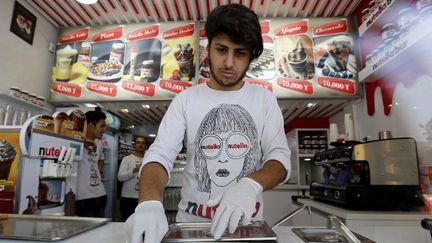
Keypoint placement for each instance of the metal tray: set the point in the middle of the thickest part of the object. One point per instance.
(200, 232)
(45, 228)
(320, 235)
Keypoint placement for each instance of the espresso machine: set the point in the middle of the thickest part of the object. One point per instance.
(373, 175)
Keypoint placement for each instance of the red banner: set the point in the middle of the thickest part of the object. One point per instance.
(301, 86)
(77, 36)
(341, 85)
(111, 34)
(174, 86)
(292, 29)
(66, 89)
(182, 31)
(263, 84)
(146, 89)
(339, 26)
(144, 33)
(102, 88)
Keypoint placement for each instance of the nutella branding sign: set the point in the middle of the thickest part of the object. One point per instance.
(144, 33)
(182, 31)
(77, 36)
(292, 29)
(339, 26)
(265, 27)
(111, 34)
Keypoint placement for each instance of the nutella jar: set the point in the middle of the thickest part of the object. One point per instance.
(388, 31)
(405, 17)
(32, 98)
(15, 92)
(388, 48)
(380, 53)
(369, 60)
(146, 70)
(117, 52)
(40, 101)
(25, 95)
(365, 15)
(84, 53)
(374, 58)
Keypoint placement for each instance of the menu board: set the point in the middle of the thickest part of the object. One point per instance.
(302, 58)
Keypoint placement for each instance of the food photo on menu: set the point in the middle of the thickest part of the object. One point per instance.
(70, 66)
(295, 57)
(334, 56)
(263, 68)
(106, 61)
(178, 59)
(142, 60)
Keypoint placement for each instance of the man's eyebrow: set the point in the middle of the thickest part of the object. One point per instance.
(237, 49)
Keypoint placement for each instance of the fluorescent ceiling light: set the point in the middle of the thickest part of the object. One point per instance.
(124, 110)
(146, 106)
(90, 105)
(152, 135)
(309, 105)
(87, 1)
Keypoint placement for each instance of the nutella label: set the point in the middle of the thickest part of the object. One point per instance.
(77, 36)
(144, 33)
(340, 85)
(174, 86)
(182, 31)
(139, 88)
(292, 29)
(301, 86)
(265, 27)
(102, 88)
(111, 34)
(262, 84)
(337, 27)
(66, 89)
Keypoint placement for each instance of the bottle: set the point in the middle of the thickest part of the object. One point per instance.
(117, 51)
(84, 54)
(69, 207)
(133, 57)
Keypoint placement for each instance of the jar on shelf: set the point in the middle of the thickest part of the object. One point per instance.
(372, 7)
(33, 98)
(307, 140)
(322, 140)
(405, 19)
(422, 4)
(301, 149)
(25, 95)
(388, 31)
(40, 101)
(308, 149)
(425, 13)
(365, 14)
(15, 92)
(314, 140)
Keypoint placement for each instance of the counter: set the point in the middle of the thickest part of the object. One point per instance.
(114, 232)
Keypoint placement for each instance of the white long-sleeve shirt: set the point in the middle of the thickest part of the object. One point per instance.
(126, 175)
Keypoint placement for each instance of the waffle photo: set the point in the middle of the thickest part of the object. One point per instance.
(23, 23)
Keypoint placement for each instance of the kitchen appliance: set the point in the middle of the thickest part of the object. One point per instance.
(374, 175)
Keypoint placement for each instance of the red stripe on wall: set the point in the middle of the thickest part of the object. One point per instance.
(102, 6)
(187, 9)
(156, 9)
(304, 5)
(250, 3)
(47, 13)
(324, 9)
(95, 10)
(75, 11)
(347, 7)
(123, 6)
(112, 5)
(66, 12)
(167, 10)
(145, 8)
(294, 3)
(208, 7)
(134, 7)
(314, 7)
(55, 11)
(335, 7)
(198, 11)
(85, 11)
(177, 9)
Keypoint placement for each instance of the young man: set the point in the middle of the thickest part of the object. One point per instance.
(91, 196)
(128, 174)
(233, 131)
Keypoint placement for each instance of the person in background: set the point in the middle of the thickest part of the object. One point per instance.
(91, 196)
(234, 136)
(128, 174)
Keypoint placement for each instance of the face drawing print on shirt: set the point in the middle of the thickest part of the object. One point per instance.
(226, 148)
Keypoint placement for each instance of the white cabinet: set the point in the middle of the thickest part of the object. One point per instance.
(304, 143)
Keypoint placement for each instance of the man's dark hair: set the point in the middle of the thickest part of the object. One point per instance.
(95, 116)
(240, 24)
(138, 136)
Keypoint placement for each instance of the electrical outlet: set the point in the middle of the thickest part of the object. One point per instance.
(51, 47)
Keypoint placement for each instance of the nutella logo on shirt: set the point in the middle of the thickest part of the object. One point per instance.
(209, 212)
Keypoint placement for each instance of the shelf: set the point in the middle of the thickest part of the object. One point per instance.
(417, 48)
(385, 17)
(23, 102)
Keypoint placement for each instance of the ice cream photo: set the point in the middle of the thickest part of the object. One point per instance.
(7, 156)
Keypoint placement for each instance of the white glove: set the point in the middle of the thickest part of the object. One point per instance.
(149, 219)
(235, 203)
